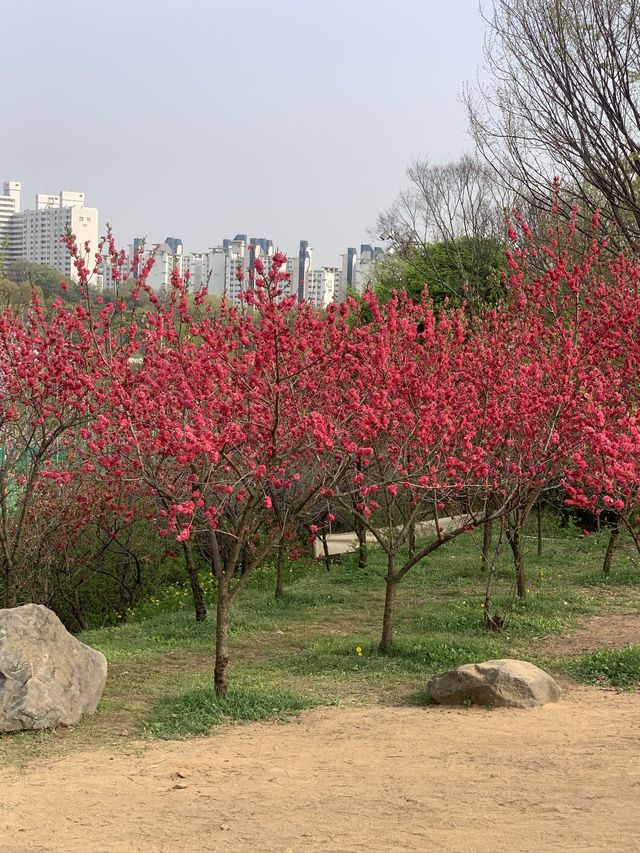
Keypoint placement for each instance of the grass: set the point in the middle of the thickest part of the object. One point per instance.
(196, 711)
(608, 667)
(301, 651)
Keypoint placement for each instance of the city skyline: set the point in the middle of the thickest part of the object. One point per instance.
(36, 234)
(298, 122)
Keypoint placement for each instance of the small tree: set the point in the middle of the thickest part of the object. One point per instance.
(412, 443)
(48, 395)
(222, 422)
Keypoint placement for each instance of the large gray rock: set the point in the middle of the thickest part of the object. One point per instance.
(495, 683)
(47, 677)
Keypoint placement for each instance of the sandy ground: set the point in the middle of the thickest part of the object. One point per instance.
(614, 631)
(563, 777)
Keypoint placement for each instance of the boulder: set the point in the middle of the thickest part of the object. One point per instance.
(495, 683)
(47, 677)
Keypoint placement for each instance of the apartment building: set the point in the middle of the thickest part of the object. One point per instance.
(10, 233)
(44, 228)
(322, 286)
(36, 235)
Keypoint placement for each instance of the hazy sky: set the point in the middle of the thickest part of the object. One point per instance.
(199, 119)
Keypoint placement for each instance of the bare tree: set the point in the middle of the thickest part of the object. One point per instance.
(564, 100)
(460, 208)
(445, 202)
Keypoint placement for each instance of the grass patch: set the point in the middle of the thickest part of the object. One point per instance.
(626, 573)
(301, 651)
(199, 710)
(159, 634)
(409, 656)
(608, 667)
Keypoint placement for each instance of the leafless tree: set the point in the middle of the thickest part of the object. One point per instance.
(445, 202)
(460, 206)
(563, 99)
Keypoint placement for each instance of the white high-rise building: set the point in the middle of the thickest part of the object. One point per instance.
(347, 274)
(357, 270)
(45, 201)
(214, 270)
(10, 233)
(36, 235)
(194, 267)
(222, 265)
(364, 267)
(44, 228)
(322, 286)
(167, 257)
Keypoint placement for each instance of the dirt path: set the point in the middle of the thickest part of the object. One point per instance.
(613, 631)
(564, 777)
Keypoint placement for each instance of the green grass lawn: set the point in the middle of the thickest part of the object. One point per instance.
(302, 651)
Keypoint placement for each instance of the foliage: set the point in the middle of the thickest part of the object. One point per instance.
(448, 276)
(609, 667)
(21, 277)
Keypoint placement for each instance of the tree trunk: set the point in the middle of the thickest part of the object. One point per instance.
(539, 524)
(412, 538)
(491, 622)
(386, 641)
(281, 557)
(326, 556)
(608, 557)
(361, 533)
(222, 637)
(515, 541)
(487, 541)
(245, 560)
(196, 589)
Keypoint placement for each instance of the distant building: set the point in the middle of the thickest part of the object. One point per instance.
(364, 266)
(322, 286)
(45, 201)
(36, 235)
(348, 274)
(10, 233)
(222, 265)
(299, 269)
(175, 244)
(216, 270)
(167, 257)
(44, 227)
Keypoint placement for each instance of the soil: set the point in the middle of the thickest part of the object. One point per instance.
(616, 631)
(564, 777)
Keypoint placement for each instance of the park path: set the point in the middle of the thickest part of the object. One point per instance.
(342, 543)
(564, 777)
